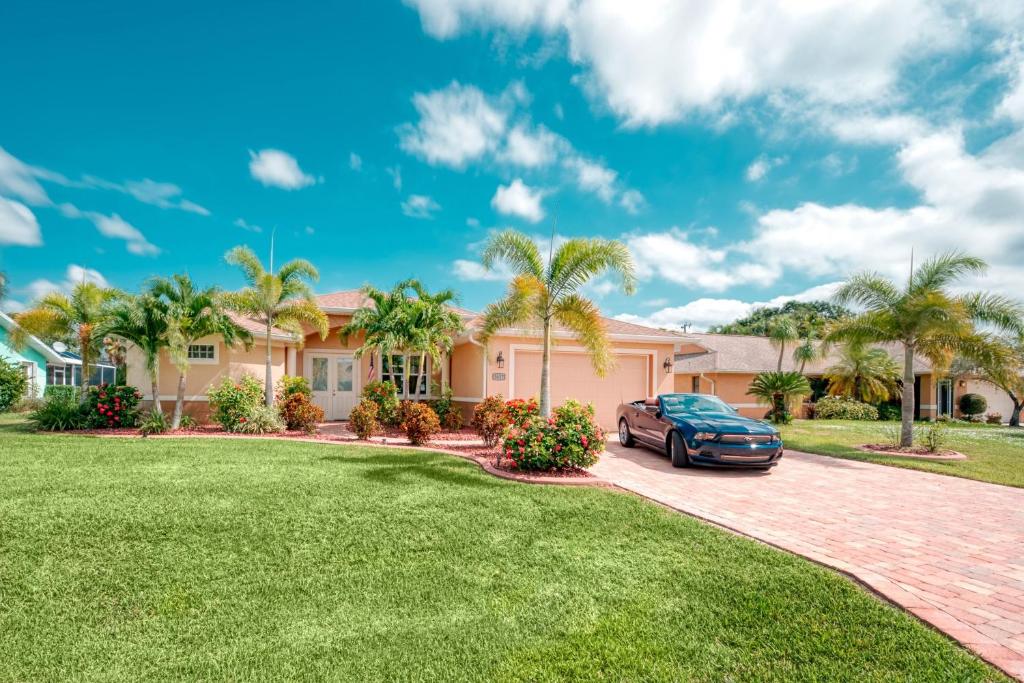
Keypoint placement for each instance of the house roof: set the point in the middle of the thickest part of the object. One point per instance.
(751, 354)
(8, 323)
(256, 328)
(72, 358)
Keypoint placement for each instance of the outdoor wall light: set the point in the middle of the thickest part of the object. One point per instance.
(501, 360)
(667, 364)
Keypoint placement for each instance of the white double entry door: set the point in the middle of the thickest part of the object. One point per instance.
(334, 381)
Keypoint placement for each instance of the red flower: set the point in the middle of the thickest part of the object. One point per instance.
(520, 442)
(558, 448)
(583, 440)
(241, 419)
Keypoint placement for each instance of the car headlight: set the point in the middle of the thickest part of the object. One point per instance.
(705, 436)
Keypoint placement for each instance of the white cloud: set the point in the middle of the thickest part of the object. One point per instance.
(593, 176)
(245, 225)
(674, 257)
(1012, 104)
(654, 61)
(531, 149)
(73, 275)
(702, 313)
(632, 201)
(18, 225)
(396, 176)
(18, 179)
(355, 162)
(420, 206)
(519, 199)
(760, 167)
(473, 222)
(475, 272)
(115, 227)
(458, 124)
(275, 168)
(861, 128)
(163, 195)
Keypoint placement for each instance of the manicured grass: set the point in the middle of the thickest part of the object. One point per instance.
(227, 559)
(995, 454)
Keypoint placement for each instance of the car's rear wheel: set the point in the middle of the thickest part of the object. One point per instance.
(677, 451)
(625, 436)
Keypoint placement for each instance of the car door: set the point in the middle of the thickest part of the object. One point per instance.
(647, 424)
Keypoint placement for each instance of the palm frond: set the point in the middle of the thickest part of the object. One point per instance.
(302, 312)
(244, 258)
(943, 270)
(517, 250)
(579, 261)
(1001, 312)
(869, 290)
(519, 305)
(584, 320)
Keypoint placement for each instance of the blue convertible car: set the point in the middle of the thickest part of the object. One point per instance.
(699, 429)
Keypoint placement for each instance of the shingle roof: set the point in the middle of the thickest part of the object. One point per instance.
(745, 353)
(256, 328)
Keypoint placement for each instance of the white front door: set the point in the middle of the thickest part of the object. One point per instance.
(333, 379)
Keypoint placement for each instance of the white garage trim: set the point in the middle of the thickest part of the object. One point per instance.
(650, 353)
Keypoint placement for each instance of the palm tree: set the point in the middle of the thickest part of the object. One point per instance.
(434, 324)
(781, 331)
(1007, 374)
(806, 351)
(384, 320)
(866, 374)
(141, 320)
(73, 315)
(546, 293)
(926, 319)
(283, 300)
(191, 315)
(779, 390)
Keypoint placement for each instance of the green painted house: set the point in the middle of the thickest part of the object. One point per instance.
(35, 358)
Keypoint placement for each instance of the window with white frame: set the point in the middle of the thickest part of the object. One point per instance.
(405, 371)
(202, 353)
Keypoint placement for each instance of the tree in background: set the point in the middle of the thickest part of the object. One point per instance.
(780, 390)
(781, 331)
(926, 318)
(810, 317)
(434, 323)
(807, 351)
(141, 320)
(58, 315)
(1007, 374)
(192, 314)
(867, 374)
(545, 292)
(283, 300)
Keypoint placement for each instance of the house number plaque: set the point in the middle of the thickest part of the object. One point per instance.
(498, 376)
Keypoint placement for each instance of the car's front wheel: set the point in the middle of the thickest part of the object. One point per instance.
(677, 451)
(625, 436)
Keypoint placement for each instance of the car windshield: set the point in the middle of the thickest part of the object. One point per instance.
(694, 403)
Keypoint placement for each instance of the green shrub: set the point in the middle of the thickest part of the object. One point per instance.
(452, 420)
(290, 385)
(299, 412)
(972, 404)
(109, 407)
(844, 408)
(994, 419)
(68, 391)
(13, 385)
(27, 405)
(153, 423)
(419, 422)
(385, 395)
(933, 436)
(261, 419)
(889, 412)
(58, 413)
(489, 419)
(188, 423)
(448, 412)
(363, 419)
(233, 402)
(569, 438)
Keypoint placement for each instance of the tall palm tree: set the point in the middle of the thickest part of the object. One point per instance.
(545, 293)
(806, 351)
(192, 314)
(779, 390)
(434, 324)
(73, 315)
(926, 318)
(283, 300)
(866, 374)
(781, 331)
(141, 320)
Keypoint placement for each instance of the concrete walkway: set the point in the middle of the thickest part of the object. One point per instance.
(949, 550)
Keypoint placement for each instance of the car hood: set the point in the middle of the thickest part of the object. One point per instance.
(724, 423)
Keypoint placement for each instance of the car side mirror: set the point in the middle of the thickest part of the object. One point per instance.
(657, 414)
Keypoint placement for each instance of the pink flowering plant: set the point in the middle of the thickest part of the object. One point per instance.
(519, 411)
(569, 438)
(110, 407)
(232, 403)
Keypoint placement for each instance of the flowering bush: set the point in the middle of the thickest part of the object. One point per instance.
(299, 412)
(489, 419)
(289, 385)
(261, 419)
(107, 406)
(569, 438)
(419, 421)
(385, 395)
(232, 403)
(519, 411)
(363, 419)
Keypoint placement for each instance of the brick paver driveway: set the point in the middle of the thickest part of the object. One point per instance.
(949, 550)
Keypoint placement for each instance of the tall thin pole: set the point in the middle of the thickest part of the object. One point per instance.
(273, 232)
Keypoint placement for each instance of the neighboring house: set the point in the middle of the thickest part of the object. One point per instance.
(725, 364)
(103, 372)
(509, 365)
(36, 358)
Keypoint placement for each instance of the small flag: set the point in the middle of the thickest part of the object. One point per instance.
(369, 375)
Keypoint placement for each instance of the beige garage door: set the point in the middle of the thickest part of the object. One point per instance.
(572, 376)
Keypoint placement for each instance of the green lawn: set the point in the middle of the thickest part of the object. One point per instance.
(133, 559)
(995, 454)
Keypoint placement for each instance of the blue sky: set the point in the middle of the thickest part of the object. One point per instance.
(747, 152)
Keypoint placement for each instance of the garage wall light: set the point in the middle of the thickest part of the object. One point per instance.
(500, 360)
(667, 364)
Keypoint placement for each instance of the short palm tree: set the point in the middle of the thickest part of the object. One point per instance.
(434, 323)
(74, 315)
(142, 321)
(283, 300)
(384, 320)
(1006, 373)
(926, 318)
(866, 374)
(782, 331)
(192, 314)
(779, 390)
(544, 293)
(807, 351)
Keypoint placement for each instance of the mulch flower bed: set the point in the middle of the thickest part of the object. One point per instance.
(912, 452)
